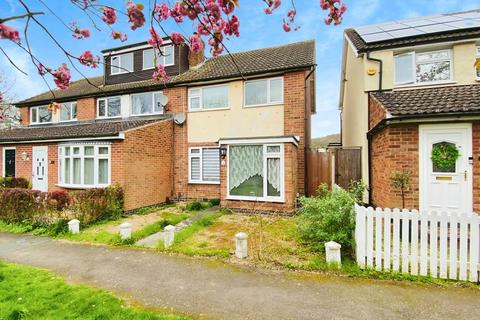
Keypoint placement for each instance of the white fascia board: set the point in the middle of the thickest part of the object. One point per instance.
(231, 141)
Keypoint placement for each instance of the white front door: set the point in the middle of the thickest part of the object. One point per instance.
(40, 168)
(446, 189)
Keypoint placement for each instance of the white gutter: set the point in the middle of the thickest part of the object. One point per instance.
(121, 136)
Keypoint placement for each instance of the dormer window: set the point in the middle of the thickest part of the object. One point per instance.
(40, 115)
(423, 68)
(122, 63)
(166, 58)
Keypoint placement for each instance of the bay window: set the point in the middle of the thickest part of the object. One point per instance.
(255, 172)
(208, 98)
(204, 165)
(109, 107)
(423, 68)
(40, 115)
(166, 58)
(122, 63)
(84, 165)
(263, 92)
(68, 111)
(146, 103)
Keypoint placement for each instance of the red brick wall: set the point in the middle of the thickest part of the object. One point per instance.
(86, 109)
(24, 116)
(395, 148)
(376, 112)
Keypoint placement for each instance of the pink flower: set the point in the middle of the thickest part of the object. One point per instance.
(109, 16)
(42, 70)
(336, 10)
(163, 11)
(232, 26)
(118, 35)
(160, 74)
(272, 5)
(177, 38)
(135, 15)
(196, 43)
(286, 26)
(177, 12)
(54, 107)
(80, 33)
(155, 40)
(87, 59)
(61, 77)
(7, 32)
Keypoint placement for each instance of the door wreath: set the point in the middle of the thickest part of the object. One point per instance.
(445, 155)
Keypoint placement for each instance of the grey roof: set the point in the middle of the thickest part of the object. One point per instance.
(300, 55)
(463, 100)
(87, 129)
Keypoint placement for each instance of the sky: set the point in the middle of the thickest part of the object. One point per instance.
(257, 31)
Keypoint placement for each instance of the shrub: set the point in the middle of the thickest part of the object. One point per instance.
(194, 206)
(214, 202)
(330, 217)
(19, 204)
(58, 200)
(11, 182)
(92, 205)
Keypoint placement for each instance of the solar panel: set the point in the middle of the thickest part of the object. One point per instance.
(422, 25)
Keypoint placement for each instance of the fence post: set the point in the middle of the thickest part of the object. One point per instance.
(169, 236)
(74, 226)
(125, 231)
(360, 235)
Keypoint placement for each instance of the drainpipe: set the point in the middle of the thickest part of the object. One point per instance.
(305, 129)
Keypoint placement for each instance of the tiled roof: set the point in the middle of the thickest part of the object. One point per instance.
(432, 101)
(90, 129)
(281, 58)
(454, 35)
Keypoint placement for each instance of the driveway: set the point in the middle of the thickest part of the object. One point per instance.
(213, 290)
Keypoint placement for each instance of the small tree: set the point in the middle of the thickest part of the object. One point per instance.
(401, 181)
(9, 114)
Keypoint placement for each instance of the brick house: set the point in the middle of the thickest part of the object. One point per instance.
(236, 132)
(409, 89)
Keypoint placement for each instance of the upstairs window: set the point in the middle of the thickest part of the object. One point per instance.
(263, 92)
(68, 112)
(40, 115)
(208, 98)
(166, 58)
(109, 107)
(122, 63)
(423, 68)
(147, 103)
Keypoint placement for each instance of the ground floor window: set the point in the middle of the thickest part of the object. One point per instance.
(204, 165)
(255, 172)
(84, 165)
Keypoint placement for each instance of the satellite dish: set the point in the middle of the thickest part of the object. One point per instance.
(179, 118)
(163, 99)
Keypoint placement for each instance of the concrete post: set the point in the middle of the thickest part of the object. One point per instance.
(169, 236)
(74, 226)
(332, 252)
(125, 231)
(241, 245)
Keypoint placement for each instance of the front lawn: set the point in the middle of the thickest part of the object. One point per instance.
(30, 293)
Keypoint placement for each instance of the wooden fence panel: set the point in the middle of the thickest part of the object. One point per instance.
(319, 170)
(348, 166)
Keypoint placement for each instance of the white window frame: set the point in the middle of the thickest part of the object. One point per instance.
(121, 69)
(269, 102)
(60, 112)
(153, 104)
(200, 156)
(414, 71)
(265, 198)
(3, 160)
(200, 95)
(162, 57)
(38, 116)
(96, 157)
(106, 107)
(477, 56)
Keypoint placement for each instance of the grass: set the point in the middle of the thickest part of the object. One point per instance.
(29, 293)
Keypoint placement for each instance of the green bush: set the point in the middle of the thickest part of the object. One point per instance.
(93, 205)
(11, 182)
(194, 206)
(214, 202)
(328, 217)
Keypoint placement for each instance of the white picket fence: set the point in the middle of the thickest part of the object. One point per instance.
(444, 245)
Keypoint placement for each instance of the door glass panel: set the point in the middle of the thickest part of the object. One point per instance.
(452, 168)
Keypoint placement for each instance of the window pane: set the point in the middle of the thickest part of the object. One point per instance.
(246, 171)
(74, 110)
(194, 151)
(114, 107)
(273, 177)
(211, 165)
(89, 151)
(421, 57)
(103, 150)
(67, 151)
(103, 171)
(66, 177)
(142, 103)
(276, 89)
(273, 149)
(256, 92)
(44, 114)
(194, 103)
(158, 107)
(34, 115)
(215, 97)
(66, 112)
(433, 71)
(76, 150)
(195, 169)
(168, 55)
(115, 64)
(88, 171)
(101, 108)
(127, 62)
(148, 61)
(76, 171)
(404, 69)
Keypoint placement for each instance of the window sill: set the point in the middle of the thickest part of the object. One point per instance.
(207, 110)
(425, 84)
(264, 105)
(67, 121)
(240, 198)
(204, 182)
(106, 118)
(40, 123)
(79, 187)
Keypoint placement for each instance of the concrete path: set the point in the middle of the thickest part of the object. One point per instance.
(206, 289)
